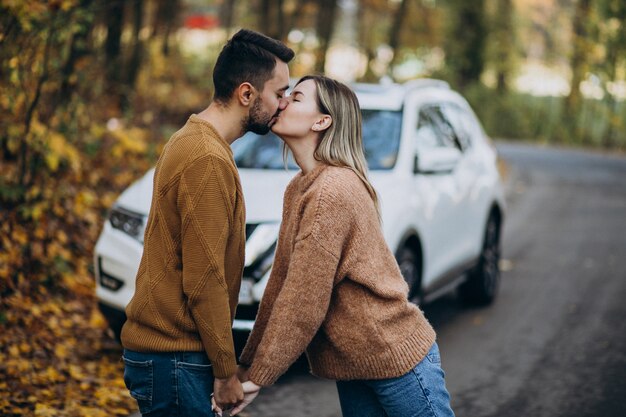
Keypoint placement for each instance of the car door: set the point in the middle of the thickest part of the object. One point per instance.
(473, 194)
(444, 193)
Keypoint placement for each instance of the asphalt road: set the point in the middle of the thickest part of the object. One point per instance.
(554, 342)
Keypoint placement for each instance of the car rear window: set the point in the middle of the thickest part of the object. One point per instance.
(381, 138)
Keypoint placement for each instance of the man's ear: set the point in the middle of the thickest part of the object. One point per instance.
(322, 123)
(246, 93)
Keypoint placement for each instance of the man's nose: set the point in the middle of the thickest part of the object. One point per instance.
(282, 103)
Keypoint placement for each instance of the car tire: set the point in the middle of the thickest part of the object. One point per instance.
(483, 280)
(411, 269)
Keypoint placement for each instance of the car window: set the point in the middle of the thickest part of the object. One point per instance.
(435, 130)
(463, 122)
(381, 140)
(260, 152)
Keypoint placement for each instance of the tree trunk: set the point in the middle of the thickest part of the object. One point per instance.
(227, 14)
(78, 49)
(166, 19)
(504, 38)
(324, 28)
(114, 17)
(265, 18)
(281, 30)
(293, 20)
(580, 55)
(396, 30)
(134, 63)
(466, 41)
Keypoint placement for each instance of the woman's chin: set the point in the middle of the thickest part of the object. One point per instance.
(275, 130)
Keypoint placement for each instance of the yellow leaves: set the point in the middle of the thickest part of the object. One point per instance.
(52, 361)
(43, 410)
(129, 141)
(14, 351)
(60, 150)
(19, 236)
(96, 320)
(84, 204)
(25, 348)
(61, 351)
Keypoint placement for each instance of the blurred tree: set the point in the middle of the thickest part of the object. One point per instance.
(166, 20)
(399, 17)
(612, 35)
(324, 29)
(227, 14)
(136, 48)
(409, 28)
(271, 17)
(79, 49)
(372, 23)
(581, 51)
(114, 19)
(465, 41)
(502, 42)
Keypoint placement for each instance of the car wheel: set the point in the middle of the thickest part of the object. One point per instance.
(483, 280)
(411, 270)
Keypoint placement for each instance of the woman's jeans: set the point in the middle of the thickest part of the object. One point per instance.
(169, 384)
(419, 393)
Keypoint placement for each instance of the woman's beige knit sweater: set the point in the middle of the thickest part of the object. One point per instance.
(335, 289)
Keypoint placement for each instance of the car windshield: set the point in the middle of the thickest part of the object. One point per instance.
(381, 139)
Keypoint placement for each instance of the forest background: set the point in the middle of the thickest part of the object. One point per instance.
(90, 90)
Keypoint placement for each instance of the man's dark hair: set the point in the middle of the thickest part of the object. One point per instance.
(247, 57)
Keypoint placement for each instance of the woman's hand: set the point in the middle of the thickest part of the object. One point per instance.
(250, 391)
(243, 373)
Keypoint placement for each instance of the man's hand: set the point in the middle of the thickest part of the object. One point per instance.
(227, 392)
(250, 390)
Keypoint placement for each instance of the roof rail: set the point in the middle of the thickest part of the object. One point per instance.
(426, 82)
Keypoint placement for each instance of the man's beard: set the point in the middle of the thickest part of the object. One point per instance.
(258, 121)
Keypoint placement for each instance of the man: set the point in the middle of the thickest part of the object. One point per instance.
(178, 344)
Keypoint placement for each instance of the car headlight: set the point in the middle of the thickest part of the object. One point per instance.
(129, 222)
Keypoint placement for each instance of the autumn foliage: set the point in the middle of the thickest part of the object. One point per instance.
(69, 143)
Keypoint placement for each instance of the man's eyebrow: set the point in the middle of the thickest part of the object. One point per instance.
(284, 88)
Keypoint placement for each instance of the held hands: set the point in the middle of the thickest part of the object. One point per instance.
(227, 393)
(250, 392)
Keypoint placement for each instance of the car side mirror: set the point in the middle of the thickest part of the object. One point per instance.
(436, 160)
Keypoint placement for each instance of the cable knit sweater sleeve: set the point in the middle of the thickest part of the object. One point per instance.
(273, 286)
(299, 306)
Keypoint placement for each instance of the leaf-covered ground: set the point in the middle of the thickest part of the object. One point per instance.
(56, 358)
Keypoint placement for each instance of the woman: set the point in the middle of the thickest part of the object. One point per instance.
(336, 290)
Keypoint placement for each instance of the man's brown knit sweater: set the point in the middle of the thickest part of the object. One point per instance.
(189, 277)
(335, 289)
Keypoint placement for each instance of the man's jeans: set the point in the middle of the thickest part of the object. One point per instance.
(419, 393)
(169, 384)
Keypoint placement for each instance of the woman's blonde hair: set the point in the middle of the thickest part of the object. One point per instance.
(342, 143)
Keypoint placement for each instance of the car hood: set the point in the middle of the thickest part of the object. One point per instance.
(263, 192)
(138, 196)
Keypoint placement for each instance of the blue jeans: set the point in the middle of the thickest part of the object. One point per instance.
(169, 383)
(419, 393)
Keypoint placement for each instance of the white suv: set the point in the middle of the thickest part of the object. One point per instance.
(436, 174)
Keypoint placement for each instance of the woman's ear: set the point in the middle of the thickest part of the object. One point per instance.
(246, 93)
(322, 123)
